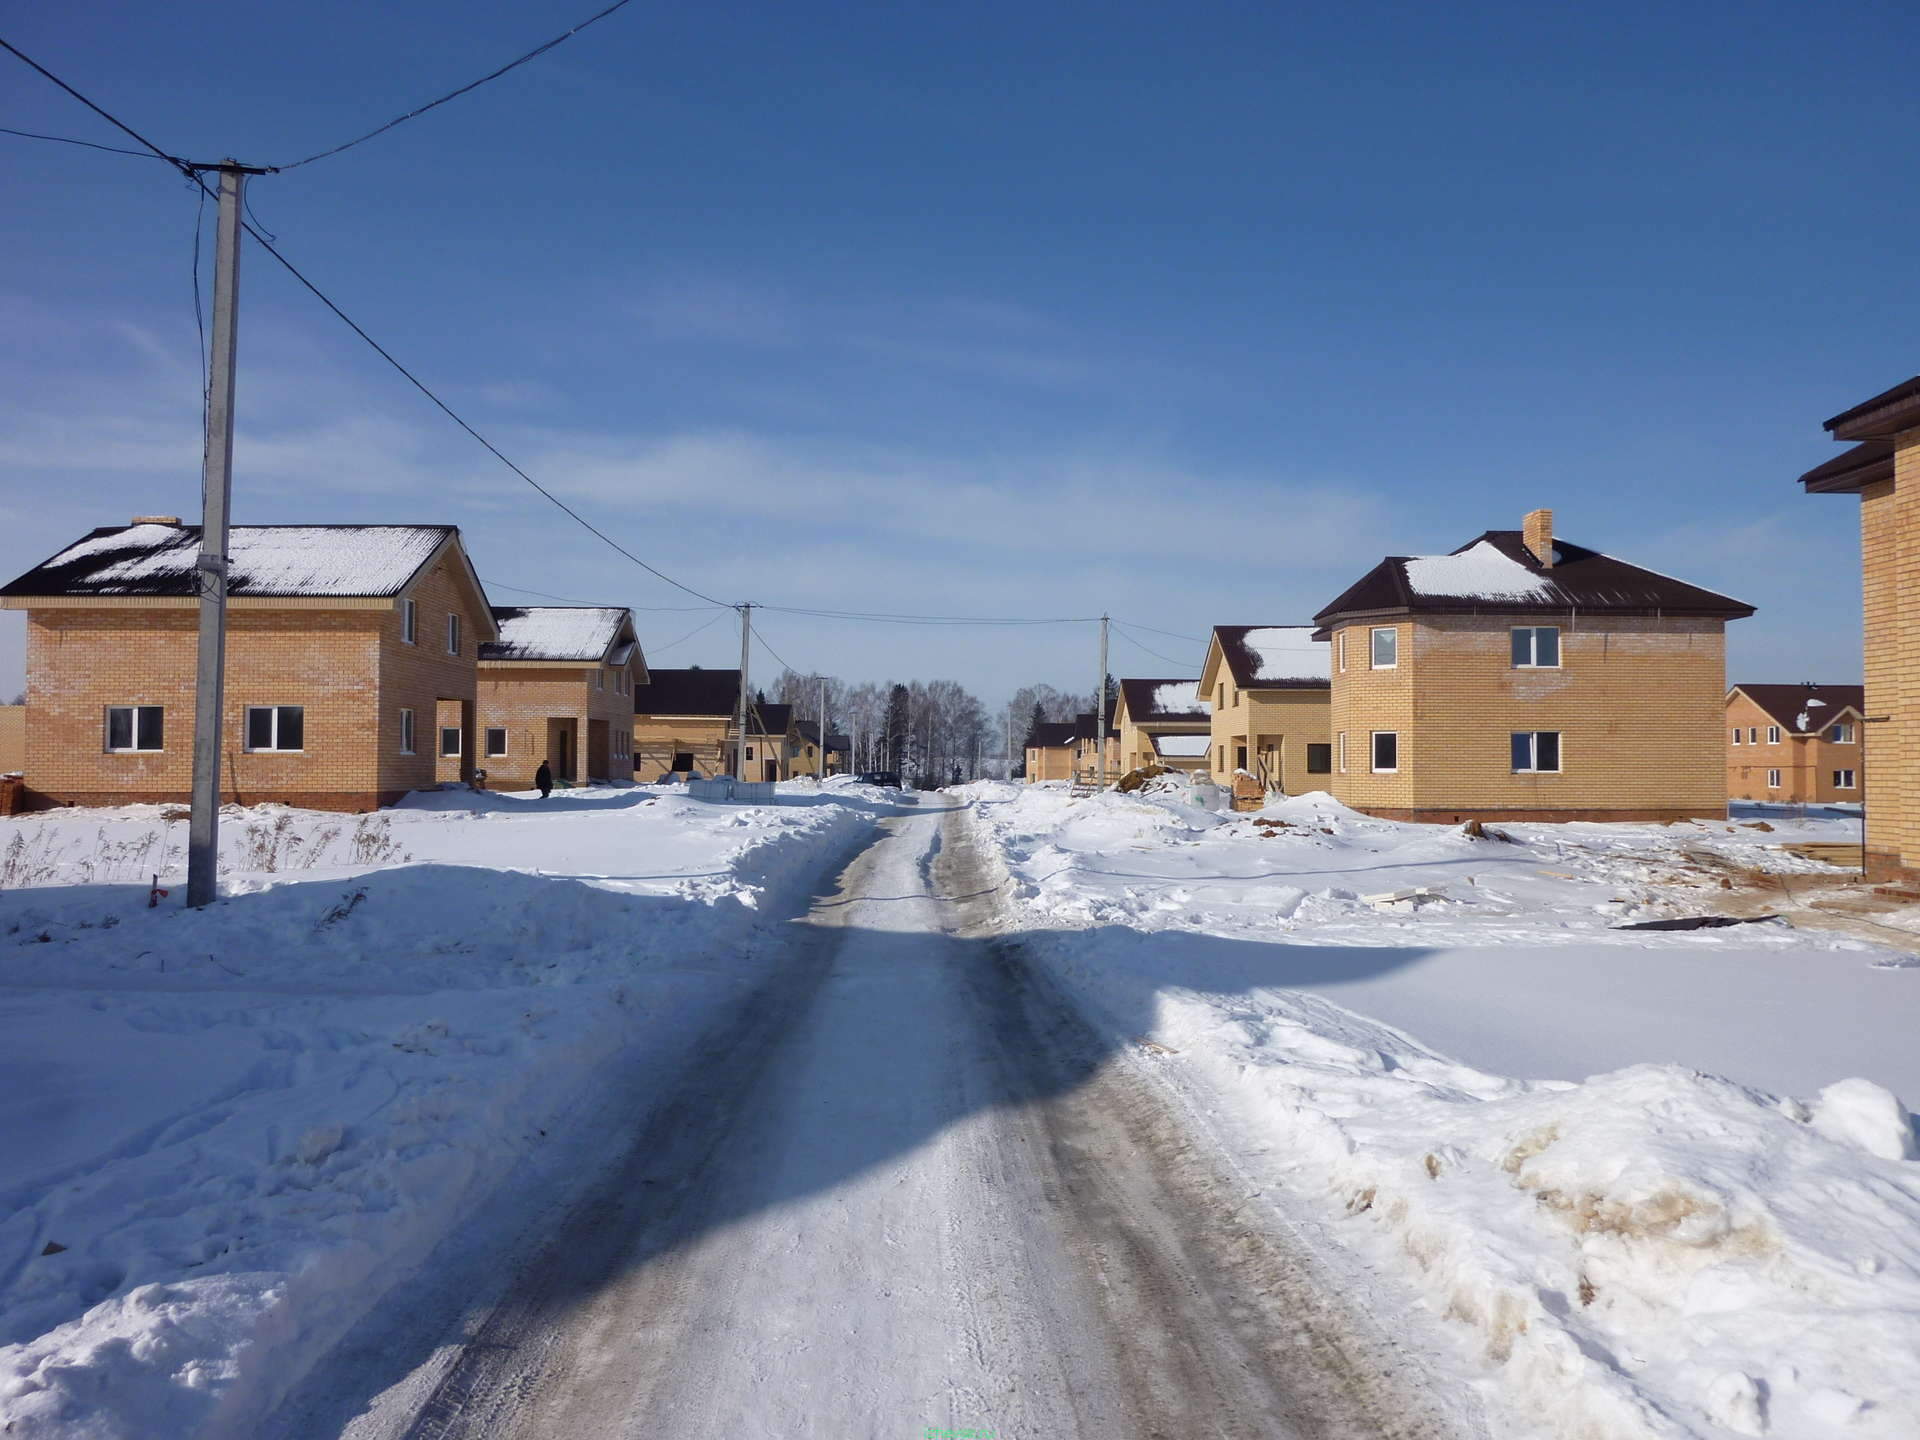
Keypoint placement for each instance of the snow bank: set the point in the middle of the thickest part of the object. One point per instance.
(245, 1123)
(1637, 1249)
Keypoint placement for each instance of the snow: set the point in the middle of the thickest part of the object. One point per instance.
(1288, 652)
(1660, 1181)
(554, 632)
(1480, 572)
(1182, 747)
(1179, 697)
(243, 1124)
(318, 560)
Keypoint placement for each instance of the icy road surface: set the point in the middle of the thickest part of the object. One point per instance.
(903, 1192)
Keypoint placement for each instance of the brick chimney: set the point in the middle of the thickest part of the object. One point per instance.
(1537, 529)
(155, 520)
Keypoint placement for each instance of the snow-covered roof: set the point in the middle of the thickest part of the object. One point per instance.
(1480, 572)
(1163, 700)
(320, 561)
(1287, 652)
(574, 633)
(1178, 697)
(1182, 747)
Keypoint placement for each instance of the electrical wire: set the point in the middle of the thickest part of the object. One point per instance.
(1171, 635)
(1148, 648)
(929, 619)
(708, 625)
(565, 600)
(200, 329)
(174, 160)
(456, 94)
(68, 140)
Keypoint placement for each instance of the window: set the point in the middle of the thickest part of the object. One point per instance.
(1340, 742)
(1536, 752)
(750, 752)
(136, 727)
(1340, 645)
(1220, 759)
(450, 745)
(1841, 734)
(1736, 734)
(406, 732)
(1773, 779)
(1386, 750)
(599, 679)
(496, 740)
(1753, 735)
(409, 622)
(1536, 647)
(276, 727)
(1319, 759)
(453, 634)
(1385, 654)
(1240, 751)
(1843, 779)
(683, 761)
(1773, 734)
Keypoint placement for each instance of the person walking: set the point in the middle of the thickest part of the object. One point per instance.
(543, 777)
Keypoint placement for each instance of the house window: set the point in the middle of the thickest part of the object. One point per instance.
(1841, 734)
(1220, 759)
(599, 679)
(450, 741)
(1736, 734)
(1386, 750)
(406, 732)
(1536, 752)
(1773, 779)
(496, 741)
(1319, 759)
(409, 621)
(1340, 644)
(1753, 735)
(453, 634)
(1536, 647)
(1385, 654)
(1240, 751)
(136, 727)
(1340, 742)
(1843, 779)
(750, 752)
(1773, 734)
(276, 727)
(682, 762)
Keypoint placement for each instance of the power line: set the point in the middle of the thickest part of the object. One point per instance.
(68, 140)
(1171, 635)
(565, 600)
(456, 94)
(1121, 632)
(929, 619)
(708, 625)
(121, 126)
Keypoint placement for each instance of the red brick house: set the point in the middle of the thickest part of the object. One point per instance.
(1795, 744)
(557, 685)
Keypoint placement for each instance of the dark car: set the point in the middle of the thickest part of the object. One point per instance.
(889, 778)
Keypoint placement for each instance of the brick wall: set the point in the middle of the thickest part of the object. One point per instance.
(524, 700)
(417, 676)
(1276, 726)
(1890, 554)
(13, 738)
(1049, 762)
(1639, 703)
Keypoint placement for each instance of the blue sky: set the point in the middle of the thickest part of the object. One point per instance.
(990, 309)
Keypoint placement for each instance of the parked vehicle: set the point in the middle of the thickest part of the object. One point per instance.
(888, 778)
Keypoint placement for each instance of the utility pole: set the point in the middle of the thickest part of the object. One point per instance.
(1100, 716)
(210, 567)
(740, 744)
(821, 773)
(1009, 752)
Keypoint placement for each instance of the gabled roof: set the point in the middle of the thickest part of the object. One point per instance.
(1182, 747)
(1083, 726)
(1053, 734)
(281, 561)
(1497, 572)
(769, 719)
(576, 634)
(688, 692)
(1803, 709)
(1157, 701)
(1852, 470)
(1275, 657)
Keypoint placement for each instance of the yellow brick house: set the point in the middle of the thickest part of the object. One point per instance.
(1523, 677)
(556, 684)
(1270, 688)
(1152, 710)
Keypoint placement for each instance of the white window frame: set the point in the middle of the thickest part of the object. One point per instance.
(1340, 644)
(1373, 654)
(599, 679)
(506, 740)
(1737, 733)
(1773, 734)
(246, 731)
(133, 729)
(1341, 739)
(1532, 632)
(1773, 779)
(1834, 737)
(410, 622)
(1373, 752)
(446, 754)
(1532, 766)
(1753, 734)
(1844, 780)
(453, 632)
(407, 734)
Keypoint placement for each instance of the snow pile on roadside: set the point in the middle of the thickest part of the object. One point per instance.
(244, 1123)
(1639, 1250)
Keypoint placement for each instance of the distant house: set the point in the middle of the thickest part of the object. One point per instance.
(350, 667)
(683, 723)
(1181, 752)
(1087, 748)
(1795, 744)
(1150, 708)
(1051, 749)
(1526, 677)
(557, 685)
(813, 757)
(1271, 689)
(773, 743)
(1883, 469)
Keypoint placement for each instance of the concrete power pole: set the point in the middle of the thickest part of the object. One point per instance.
(1009, 752)
(740, 744)
(210, 568)
(821, 772)
(1100, 716)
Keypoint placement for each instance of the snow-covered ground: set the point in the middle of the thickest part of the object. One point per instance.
(1661, 1179)
(224, 1133)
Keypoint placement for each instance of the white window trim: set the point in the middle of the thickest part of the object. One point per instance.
(453, 632)
(409, 622)
(1533, 751)
(1737, 733)
(1846, 784)
(1533, 646)
(445, 754)
(408, 734)
(1341, 738)
(1847, 725)
(506, 742)
(1773, 734)
(1773, 779)
(1373, 751)
(246, 729)
(133, 725)
(1373, 654)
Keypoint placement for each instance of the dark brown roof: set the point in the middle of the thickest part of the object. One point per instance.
(1246, 665)
(771, 719)
(1083, 726)
(1882, 417)
(688, 692)
(1141, 701)
(1504, 577)
(1053, 734)
(1852, 470)
(1788, 706)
